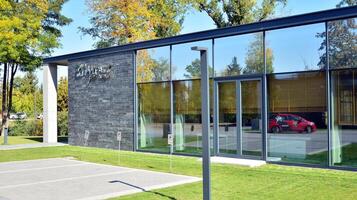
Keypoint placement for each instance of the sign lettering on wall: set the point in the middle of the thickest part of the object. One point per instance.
(93, 72)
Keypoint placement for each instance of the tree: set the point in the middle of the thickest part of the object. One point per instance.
(233, 68)
(194, 69)
(162, 69)
(232, 12)
(29, 30)
(62, 106)
(118, 22)
(27, 96)
(255, 58)
(62, 102)
(342, 41)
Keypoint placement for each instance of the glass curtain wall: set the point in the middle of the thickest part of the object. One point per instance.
(343, 61)
(297, 111)
(237, 55)
(297, 122)
(153, 92)
(227, 119)
(153, 116)
(296, 61)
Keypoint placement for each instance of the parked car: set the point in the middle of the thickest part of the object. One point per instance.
(13, 116)
(21, 115)
(290, 122)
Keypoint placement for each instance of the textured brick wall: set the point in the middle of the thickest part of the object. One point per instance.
(100, 108)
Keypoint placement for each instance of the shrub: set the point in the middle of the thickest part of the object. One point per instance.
(26, 128)
(62, 126)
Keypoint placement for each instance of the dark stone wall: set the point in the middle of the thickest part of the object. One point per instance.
(99, 108)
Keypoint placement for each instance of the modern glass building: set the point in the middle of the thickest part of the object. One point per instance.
(282, 90)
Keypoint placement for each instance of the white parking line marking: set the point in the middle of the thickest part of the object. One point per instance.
(64, 179)
(41, 168)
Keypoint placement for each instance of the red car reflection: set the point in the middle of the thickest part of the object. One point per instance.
(290, 122)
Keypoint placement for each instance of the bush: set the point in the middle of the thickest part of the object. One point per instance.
(62, 123)
(26, 128)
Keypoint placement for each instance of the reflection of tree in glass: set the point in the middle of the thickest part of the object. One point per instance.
(255, 58)
(233, 68)
(150, 69)
(194, 69)
(342, 42)
(161, 69)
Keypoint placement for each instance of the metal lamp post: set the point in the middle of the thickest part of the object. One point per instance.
(205, 122)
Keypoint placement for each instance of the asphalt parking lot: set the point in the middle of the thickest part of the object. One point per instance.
(65, 178)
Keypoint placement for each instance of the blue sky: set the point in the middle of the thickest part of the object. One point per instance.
(74, 41)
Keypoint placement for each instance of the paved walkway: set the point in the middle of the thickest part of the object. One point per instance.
(65, 178)
(33, 145)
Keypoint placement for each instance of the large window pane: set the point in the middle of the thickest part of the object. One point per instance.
(342, 36)
(237, 55)
(297, 118)
(296, 49)
(187, 116)
(251, 106)
(186, 63)
(153, 64)
(153, 116)
(227, 119)
(344, 118)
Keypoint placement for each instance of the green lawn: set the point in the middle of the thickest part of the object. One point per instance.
(228, 181)
(26, 139)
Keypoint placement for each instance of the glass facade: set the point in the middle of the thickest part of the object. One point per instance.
(295, 49)
(153, 64)
(236, 55)
(304, 81)
(187, 116)
(153, 116)
(186, 63)
(344, 118)
(297, 127)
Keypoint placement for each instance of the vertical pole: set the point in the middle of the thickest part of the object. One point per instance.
(205, 126)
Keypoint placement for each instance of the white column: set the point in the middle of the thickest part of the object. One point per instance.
(50, 103)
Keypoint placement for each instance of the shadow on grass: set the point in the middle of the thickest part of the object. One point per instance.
(142, 189)
(60, 139)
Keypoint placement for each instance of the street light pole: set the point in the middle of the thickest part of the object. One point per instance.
(205, 122)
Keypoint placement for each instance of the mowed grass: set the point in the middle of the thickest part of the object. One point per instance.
(21, 139)
(26, 139)
(228, 181)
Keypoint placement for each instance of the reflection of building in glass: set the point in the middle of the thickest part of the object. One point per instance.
(280, 91)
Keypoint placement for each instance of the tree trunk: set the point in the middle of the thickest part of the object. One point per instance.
(11, 86)
(4, 97)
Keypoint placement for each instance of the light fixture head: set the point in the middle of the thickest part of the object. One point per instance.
(197, 48)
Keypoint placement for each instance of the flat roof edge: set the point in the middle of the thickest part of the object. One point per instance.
(277, 23)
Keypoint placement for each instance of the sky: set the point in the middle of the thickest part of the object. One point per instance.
(74, 41)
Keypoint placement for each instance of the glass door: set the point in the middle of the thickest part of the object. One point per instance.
(239, 130)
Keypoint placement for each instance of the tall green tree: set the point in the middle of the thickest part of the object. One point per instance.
(194, 69)
(342, 41)
(62, 101)
(29, 30)
(116, 22)
(254, 60)
(233, 68)
(27, 95)
(226, 13)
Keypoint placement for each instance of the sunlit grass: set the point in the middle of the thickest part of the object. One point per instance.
(228, 181)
